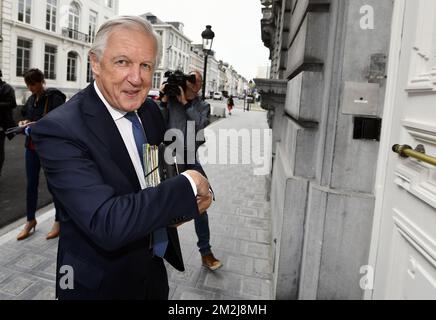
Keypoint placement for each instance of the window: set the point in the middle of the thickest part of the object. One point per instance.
(171, 39)
(23, 56)
(156, 80)
(170, 59)
(50, 20)
(72, 66)
(74, 16)
(24, 10)
(109, 3)
(92, 26)
(50, 62)
(89, 75)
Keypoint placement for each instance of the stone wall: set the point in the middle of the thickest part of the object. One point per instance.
(324, 168)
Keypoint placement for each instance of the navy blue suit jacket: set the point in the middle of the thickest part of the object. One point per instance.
(105, 216)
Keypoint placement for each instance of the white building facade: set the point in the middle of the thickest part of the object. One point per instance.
(176, 48)
(197, 63)
(196, 59)
(54, 36)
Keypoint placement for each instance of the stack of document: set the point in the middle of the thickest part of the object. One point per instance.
(151, 165)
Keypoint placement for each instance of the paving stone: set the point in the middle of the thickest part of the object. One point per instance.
(263, 268)
(51, 269)
(187, 293)
(245, 234)
(257, 223)
(189, 277)
(255, 204)
(40, 290)
(238, 202)
(223, 282)
(240, 265)
(29, 261)
(256, 288)
(172, 289)
(5, 274)
(194, 260)
(226, 244)
(234, 220)
(224, 297)
(264, 214)
(16, 285)
(257, 250)
(48, 293)
(263, 236)
(7, 297)
(8, 254)
(247, 212)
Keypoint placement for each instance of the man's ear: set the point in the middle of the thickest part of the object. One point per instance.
(95, 64)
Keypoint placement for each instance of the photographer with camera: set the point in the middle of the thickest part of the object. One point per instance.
(180, 104)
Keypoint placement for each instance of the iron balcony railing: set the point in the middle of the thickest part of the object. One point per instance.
(74, 34)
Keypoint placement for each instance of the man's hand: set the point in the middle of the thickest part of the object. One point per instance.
(164, 98)
(204, 202)
(204, 196)
(24, 123)
(200, 181)
(181, 97)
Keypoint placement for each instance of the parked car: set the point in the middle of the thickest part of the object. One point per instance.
(154, 94)
(217, 96)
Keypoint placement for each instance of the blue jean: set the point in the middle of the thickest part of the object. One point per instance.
(33, 168)
(203, 233)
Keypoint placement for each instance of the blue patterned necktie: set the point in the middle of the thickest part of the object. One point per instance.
(160, 237)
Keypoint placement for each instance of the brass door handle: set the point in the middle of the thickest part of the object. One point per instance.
(406, 151)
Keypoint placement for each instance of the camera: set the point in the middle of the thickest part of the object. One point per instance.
(176, 79)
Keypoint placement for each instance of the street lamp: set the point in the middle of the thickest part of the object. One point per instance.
(207, 36)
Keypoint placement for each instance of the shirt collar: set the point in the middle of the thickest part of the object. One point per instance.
(115, 113)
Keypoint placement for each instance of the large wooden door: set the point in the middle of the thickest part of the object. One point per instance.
(403, 249)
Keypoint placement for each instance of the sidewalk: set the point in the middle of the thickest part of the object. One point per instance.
(240, 237)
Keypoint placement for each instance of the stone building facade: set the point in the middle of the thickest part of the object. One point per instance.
(325, 105)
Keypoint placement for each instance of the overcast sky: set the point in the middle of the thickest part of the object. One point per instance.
(236, 24)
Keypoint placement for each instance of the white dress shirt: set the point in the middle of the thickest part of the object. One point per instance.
(125, 128)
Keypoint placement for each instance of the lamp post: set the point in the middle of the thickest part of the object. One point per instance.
(207, 36)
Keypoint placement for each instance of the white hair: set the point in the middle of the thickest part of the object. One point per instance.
(128, 22)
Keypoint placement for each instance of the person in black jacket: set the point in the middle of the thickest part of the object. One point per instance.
(41, 102)
(7, 104)
(189, 107)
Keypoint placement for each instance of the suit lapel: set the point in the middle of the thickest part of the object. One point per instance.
(101, 123)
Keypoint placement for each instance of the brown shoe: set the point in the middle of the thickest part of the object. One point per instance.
(54, 232)
(27, 231)
(210, 262)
